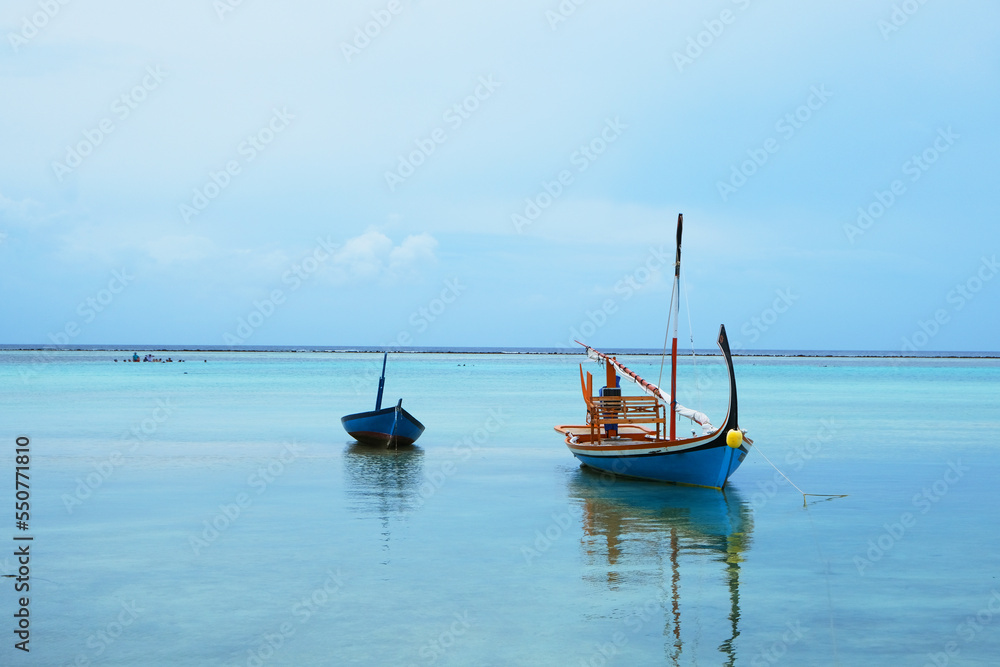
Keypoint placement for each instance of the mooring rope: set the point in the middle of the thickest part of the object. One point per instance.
(804, 494)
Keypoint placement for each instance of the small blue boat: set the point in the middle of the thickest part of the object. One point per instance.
(383, 427)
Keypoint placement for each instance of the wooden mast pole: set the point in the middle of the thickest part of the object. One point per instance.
(381, 383)
(676, 315)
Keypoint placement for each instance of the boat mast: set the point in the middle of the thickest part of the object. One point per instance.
(676, 316)
(381, 383)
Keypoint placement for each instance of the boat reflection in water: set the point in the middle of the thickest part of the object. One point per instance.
(383, 483)
(682, 545)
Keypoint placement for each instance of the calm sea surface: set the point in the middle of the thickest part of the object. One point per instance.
(215, 513)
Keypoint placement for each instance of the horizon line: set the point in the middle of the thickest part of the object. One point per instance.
(489, 349)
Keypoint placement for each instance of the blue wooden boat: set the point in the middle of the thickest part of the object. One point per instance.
(384, 427)
(632, 436)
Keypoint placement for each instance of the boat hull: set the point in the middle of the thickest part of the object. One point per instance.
(699, 464)
(389, 427)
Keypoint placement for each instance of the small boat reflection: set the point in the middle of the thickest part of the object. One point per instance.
(383, 483)
(639, 536)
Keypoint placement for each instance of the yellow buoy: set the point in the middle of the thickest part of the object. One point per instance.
(734, 438)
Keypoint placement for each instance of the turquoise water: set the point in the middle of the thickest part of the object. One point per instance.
(216, 514)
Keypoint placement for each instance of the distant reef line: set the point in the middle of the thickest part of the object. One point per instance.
(322, 349)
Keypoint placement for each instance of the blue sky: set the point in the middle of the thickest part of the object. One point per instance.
(266, 173)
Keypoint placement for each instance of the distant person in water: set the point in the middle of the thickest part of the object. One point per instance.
(135, 356)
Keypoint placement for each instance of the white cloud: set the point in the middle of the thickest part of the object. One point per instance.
(362, 257)
(171, 249)
(411, 255)
(131, 242)
(24, 212)
(372, 256)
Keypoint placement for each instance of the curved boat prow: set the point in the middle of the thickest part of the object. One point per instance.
(732, 418)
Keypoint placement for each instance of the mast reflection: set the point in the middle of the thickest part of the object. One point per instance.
(637, 535)
(383, 483)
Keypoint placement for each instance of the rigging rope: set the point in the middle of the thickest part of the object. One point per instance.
(666, 337)
(694, 361)
(687, 306)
